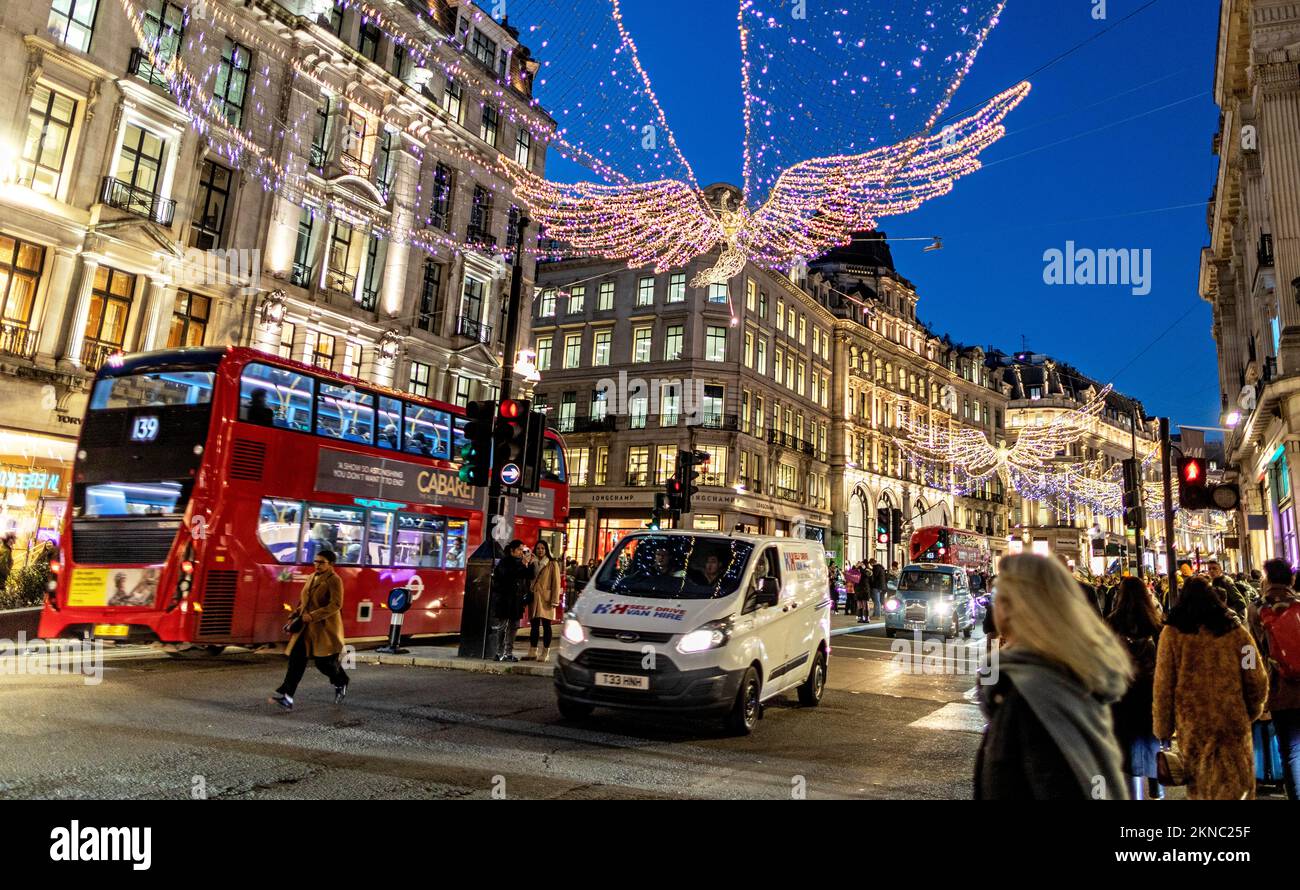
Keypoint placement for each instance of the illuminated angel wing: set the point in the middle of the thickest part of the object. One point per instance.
(818, 204)
(1037, 446)
(666, 222)
(966, 449)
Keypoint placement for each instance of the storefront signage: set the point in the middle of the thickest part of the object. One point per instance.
(29, 480)
(342, 472)
(535, 506)
(613, 498)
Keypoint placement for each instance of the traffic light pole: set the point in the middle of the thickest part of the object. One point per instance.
(1167, 462)
(496, 500)
(1137, 532)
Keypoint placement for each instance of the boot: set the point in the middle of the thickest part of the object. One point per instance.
(546, 653)
(532, 654)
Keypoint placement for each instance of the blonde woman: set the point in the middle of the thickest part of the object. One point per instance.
(1049, 734)
(546, 599)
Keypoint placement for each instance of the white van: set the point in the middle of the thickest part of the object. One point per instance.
(703, 623)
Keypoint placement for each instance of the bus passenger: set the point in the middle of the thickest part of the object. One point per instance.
(259, 411)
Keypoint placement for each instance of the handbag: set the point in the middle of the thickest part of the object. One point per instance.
(293, 625)
(1171, 770)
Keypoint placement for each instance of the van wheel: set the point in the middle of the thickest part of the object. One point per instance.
(810, 693)
(965, 634)
(891, 632)
(573, 710)
(744, 714)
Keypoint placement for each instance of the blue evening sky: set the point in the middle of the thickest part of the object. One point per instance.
(1122, 125)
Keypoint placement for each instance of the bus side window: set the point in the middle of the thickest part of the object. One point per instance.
(419, 436)
(390, 423)
(419, 541)
(457, 532)
(279, 526)
(276, 397)
(343, 413)
(379, 539)
(334, 528)
(552, 461)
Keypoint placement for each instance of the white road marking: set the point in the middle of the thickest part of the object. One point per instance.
(953, 717)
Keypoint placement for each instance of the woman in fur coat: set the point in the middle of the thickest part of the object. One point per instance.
(1210, 686)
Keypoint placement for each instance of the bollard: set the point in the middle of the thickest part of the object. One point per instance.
(399, 600)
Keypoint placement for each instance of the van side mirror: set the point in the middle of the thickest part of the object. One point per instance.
(769, 593)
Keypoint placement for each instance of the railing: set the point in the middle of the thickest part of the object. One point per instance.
(138, 65)
(340, 282)
(94, 353)
(751, 485)
(715, 479)
(124, 196)
(301, 275)
(317, 157)
(606, 424)
(477, 331)
(354, 165)
(776, 437)
(728, 422)
(789, 494)
(638, 480)
(369, 298)
(479, 235)
(18, 341)
(638, 421)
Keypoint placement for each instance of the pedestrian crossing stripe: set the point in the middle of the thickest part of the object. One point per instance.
(953, 717)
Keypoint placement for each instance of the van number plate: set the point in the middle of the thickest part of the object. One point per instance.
(623, 681)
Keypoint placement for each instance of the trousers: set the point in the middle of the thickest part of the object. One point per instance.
(326, 664)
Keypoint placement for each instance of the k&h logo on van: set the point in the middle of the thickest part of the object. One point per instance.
(91, 844)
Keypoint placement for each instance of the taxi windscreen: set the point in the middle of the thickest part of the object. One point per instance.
(926, 582)
(675, 567)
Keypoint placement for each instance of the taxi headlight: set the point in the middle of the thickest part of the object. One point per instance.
(892, 605)
(573, 632)
(941, 608)
(713, 635)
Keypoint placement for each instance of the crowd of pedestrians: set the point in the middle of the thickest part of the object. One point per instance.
(1119, 689)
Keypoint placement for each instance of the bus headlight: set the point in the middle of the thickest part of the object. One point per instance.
(713, 635)
(573, 632)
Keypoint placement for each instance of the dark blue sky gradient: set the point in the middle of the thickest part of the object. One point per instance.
(986, 286)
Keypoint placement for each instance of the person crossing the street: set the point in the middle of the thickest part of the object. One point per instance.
(316, 632)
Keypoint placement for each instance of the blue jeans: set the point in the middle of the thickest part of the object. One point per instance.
(1287, 725)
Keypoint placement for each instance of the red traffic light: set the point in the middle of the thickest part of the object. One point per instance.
(510, 409)
(674, 486)
(1193, 472)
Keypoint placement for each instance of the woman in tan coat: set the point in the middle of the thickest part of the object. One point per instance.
(1210, 686)
(547, 596)
(316, 631)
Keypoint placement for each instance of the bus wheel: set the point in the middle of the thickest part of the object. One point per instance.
(197, 652)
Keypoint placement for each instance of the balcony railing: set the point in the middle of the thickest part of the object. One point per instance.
(124, 196)
(479, 235)
(789, 494)
(751, 485)
(728, 422)
(301, 275)
(776, 437)
(18, 341)
(639, 480)
(606, 424)
(138, 65)
(94, 353)
(369, 298)
(317, 157)
(340, 282)
(475, 330)
(354, 165)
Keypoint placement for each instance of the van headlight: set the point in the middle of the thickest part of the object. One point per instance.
(573, 631)
(713, 635)
(941, 608)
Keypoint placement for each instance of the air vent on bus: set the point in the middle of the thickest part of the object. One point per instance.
(218, 604)
(247, 459)
(122, 542)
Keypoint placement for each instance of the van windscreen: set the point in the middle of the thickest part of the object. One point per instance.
(693, 567)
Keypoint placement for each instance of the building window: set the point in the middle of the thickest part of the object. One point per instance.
(572, 351)
(638, 411)
(670, 405)
(440, 198)
(374, 279)
(638, 465)
(713, 400)
(463, 385)
(803, 330)
(232, 82)
(780, 315)
(20, 275)
(490, 125)
(546, 304)
(673, 342)
(605, 299)
(599, 404)
(139, 164)
(579, 465)
(749, 349)
(645, 292)
(430, 317)
(368, 40)
(601, 348)
(524, 148)
(302, 271)
(544, 353)
(387, 172)
(72, 22)
(400, 67)
(512, 227)
(641, 346)
(321, 134)
(110, 304)
(210, 206)
(359, 144)
(417, 383)
(341, 277)
(751, 293)
(471, 300)
(480, 215)
(45, 150)
(189, 320)
(568, 409)
(483, 48)
(762, 304)
(718, 293)
(602, 465)
(452, 99)
(760, 363)
(321, 353)
(677, 288)
(577, 298)
(665, 463)
(287, 333)
(164, 26)
(715, 345)
(715, 471)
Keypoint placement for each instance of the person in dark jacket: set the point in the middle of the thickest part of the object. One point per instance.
(1283, 692)
(1136, 618)
(6, 558)
(511, 588)
(879, 583)
(1232, 597)
(1049, 734)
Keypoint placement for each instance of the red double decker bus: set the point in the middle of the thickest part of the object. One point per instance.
(952, 546)
(207, 480)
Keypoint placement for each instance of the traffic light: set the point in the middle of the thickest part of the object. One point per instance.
(687, 461)
(1132, 494)
(510, 440)
(1193, 486)
(895, 525)
(672, 495)
(476, 447)
(662, 509)
(530, 480)
(882, 526)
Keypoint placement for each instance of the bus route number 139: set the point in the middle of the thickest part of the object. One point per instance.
(145, 429)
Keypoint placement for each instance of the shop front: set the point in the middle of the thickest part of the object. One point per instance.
(1281, 504)
(35, 481)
